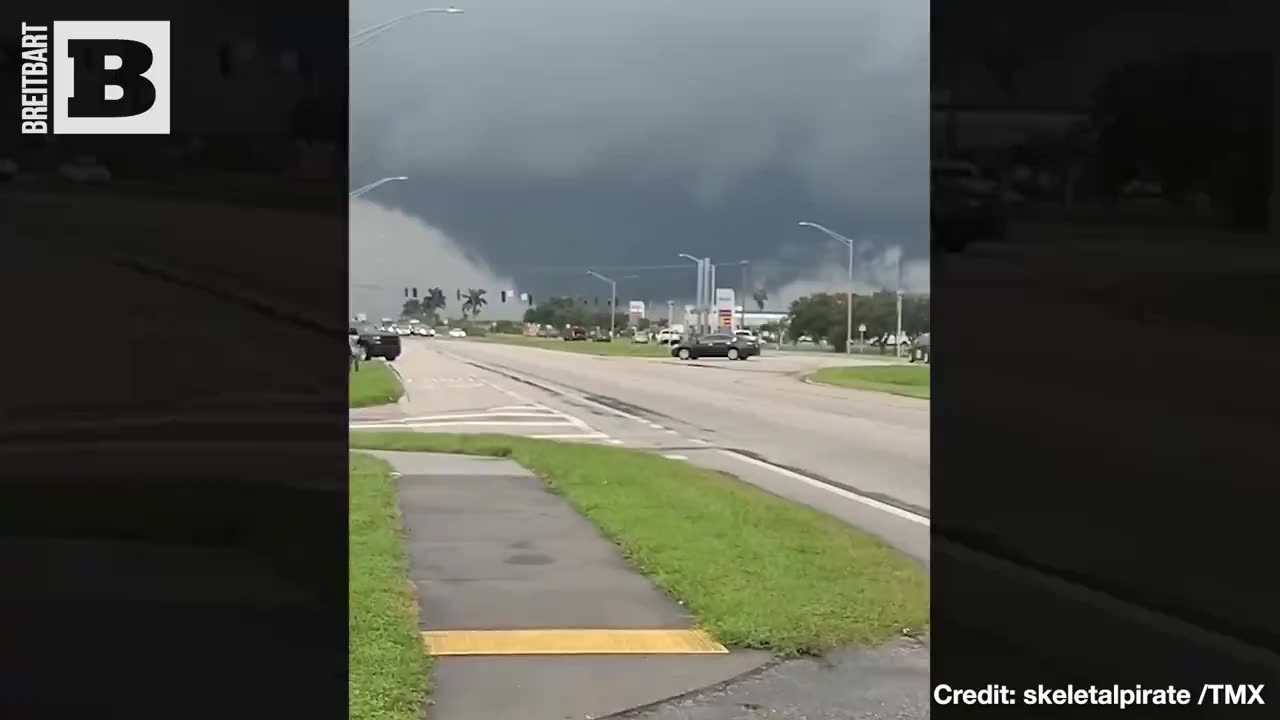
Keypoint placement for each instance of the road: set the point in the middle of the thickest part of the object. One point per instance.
(862, 456)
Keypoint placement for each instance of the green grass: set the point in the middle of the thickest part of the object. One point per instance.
(373, 384)
(620, 347)
(389, 665)
(908, 380)
(758, 571)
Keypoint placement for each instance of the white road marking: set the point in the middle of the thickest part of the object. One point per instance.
(482, 415)
(870, 502)
(698, 441)
(491, 423)
(675, 457)
(615, 442)
(671, 432)
(573, 436)
(656, 426)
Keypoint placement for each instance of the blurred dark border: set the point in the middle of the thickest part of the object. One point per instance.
(173, 426)
(1106, 234)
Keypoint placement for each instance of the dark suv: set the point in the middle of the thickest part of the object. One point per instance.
(374, 342)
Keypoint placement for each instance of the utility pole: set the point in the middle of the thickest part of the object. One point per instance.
(670, 313)
(897, 344)
(700, 296)
(711, 295)
(746, 267)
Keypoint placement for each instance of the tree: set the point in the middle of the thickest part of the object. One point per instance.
(761, 296)
(815, 315)
(1176, 121)
(412, 308)
(474, 303)
(434, 300)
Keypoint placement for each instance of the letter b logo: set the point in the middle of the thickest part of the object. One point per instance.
(111, 78)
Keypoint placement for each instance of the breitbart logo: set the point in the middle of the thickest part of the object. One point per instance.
(95, 78)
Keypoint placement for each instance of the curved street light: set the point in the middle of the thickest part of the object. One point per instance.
(362, 190)
(848, 338)
(613, 302)
(363, 36)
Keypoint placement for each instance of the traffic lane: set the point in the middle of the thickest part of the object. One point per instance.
(123, 308)
(205, 242)
(443, 394)
(732, 383)
(864, 441)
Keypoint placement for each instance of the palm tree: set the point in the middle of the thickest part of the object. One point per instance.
(434, 300)
(760, 296)
(474, 302)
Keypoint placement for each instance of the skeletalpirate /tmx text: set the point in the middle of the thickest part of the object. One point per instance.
(1114, 695)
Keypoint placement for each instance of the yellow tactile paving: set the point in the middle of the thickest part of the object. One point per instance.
(571, 642)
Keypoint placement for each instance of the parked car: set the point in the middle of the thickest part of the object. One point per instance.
(964, 207)
(575, 333)
(642, 336)
(718, 345)
(666, 336)
(374, 342)
(457, 333)
(84, 169)
(920, 353)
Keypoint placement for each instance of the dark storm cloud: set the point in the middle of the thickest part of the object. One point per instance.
(623, 132)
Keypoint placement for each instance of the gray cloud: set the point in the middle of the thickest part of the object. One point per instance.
(712, 105)
(391, 250)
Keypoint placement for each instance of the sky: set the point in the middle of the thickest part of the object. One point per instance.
(545, 139)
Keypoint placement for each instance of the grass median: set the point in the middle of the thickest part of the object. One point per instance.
(758, 571)
(373, 384)
(908, 380)
(620, 347)
(388, 661)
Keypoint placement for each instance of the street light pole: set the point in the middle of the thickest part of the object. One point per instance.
(848, 339)
(701, 295)
(362, 190)
(613, 302)
(363, 36)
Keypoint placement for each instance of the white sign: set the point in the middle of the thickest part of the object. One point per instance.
(637, 306)
(725, 304)
(862, 327)
(109, 78)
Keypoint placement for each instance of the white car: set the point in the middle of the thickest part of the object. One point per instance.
(667, 336)
(457, 333)
(84, 169)
(641, 337)
(747, 335)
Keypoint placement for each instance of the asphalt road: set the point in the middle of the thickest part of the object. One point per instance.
(861, 456)
(873, 442)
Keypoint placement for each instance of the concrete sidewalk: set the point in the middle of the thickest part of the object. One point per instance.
(492, 550)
